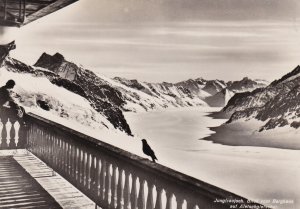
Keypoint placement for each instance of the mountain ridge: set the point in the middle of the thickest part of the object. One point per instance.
(113, 96)
(277, 105)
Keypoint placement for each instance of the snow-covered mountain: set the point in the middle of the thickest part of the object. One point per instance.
(193, 92)
(100, 96)
(276, 105)
(133, 95)
(110, 97)
(32, 92)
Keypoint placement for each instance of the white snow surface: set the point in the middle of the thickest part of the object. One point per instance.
(64, 104)
(257, 173)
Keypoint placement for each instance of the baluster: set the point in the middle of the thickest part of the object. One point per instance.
(84, 168)
(4, 132)
(93, 174)
(42, 145)
(12, 143)
(51, 141)
(65, 150)
(150, 203)
(37, 142)
(53, 150)
(78, 180)
(73, 163)
(102, 179)
(169, 199)
(59, 158)
(113, 187)
(62, 154)
(126, 191)
(41, 140)
(88, 169)
(35, 132)
(34, 143)
(76, 164)
(46, 145)
(133, 196)
(29, 133)
(33, 139)
(70, 161)
(179, 201)
(22, 136)
(98, 176)
(120, 189)
(76, 154)
(107, 183)
(56, 154)
(79, 167)
(67, 154)
(158, 204)
(141, 198)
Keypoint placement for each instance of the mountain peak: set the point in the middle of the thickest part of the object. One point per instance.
(290, 76)
(47, 59)
(58, 56)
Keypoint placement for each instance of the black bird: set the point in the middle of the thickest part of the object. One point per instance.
(148, 151)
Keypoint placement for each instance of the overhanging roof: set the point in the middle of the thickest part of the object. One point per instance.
(17, 13)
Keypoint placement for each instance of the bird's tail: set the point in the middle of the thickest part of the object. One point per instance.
(154, 158)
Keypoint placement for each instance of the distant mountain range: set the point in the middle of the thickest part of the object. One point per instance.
(277, 105)
(111, 97)
(193, 92)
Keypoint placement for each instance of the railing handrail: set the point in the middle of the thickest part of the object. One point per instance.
(171, 175)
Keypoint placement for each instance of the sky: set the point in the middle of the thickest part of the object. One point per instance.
(169, 40)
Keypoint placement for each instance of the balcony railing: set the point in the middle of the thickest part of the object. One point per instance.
(12, 131)
(114, 178)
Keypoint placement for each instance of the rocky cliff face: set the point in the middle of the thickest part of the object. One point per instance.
(101, 96)
(277, 104)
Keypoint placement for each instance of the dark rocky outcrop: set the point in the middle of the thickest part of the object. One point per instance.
(277, 104)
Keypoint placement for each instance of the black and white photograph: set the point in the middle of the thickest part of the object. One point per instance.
(149, 104)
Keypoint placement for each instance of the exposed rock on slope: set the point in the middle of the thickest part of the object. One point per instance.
(101, 96)
(277, 105)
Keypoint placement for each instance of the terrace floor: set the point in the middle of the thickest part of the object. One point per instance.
(26, 182)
